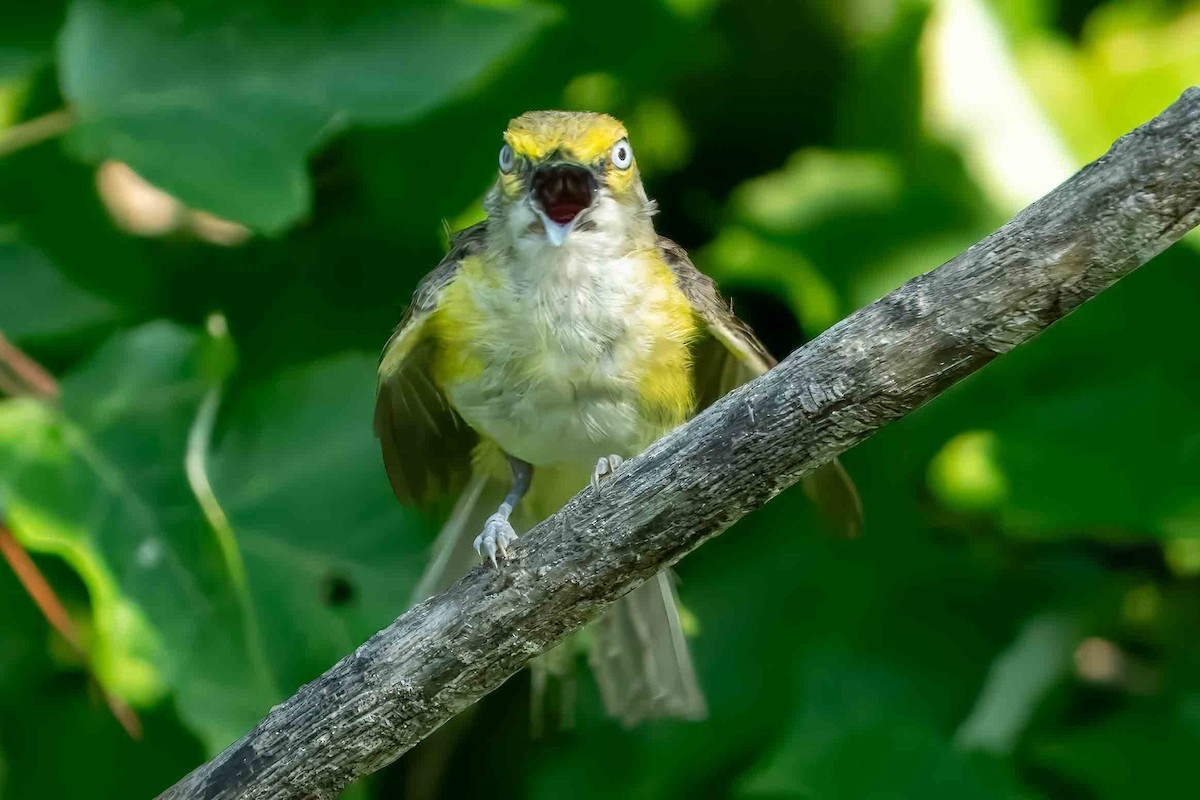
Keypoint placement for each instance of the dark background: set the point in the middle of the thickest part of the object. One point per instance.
(1021, 617)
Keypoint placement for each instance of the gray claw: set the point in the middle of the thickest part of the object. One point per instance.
(605, 468)
(497, 535)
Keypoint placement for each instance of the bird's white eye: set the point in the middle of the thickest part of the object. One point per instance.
(508, 159)
(622, 154)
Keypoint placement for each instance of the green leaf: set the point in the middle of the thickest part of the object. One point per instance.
(308, 544)
(801, 229)
(1145, 750)
(222, 106)
(49, 202)
(94, 483)
(859, 731)
(1130, 62)
(817, 186)
(38, 303)
(100, 483)
(330, 556)
(1019, 679)
(1090, 427)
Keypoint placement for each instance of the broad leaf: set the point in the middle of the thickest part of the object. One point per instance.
(330, 556)
(222, 103)
(859, 730)
(100, 483)
(37, 302)
(77, 482)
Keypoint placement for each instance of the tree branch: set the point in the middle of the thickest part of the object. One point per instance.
(868, 370)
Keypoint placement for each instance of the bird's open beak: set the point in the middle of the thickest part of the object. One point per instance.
(560, 193)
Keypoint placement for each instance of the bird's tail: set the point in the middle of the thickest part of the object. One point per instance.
(640, 657)
(638, 652)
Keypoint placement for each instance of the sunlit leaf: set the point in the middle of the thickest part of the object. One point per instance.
(77, 483)
(100, 483)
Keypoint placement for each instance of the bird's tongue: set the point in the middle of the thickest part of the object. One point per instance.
(564, 212)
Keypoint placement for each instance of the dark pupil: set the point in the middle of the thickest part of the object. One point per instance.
(620, 154)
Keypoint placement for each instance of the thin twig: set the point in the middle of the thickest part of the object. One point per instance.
(35, 131)
(865, 372)
(43, 596)
(21, 376)
(28, 378)
(38, 588)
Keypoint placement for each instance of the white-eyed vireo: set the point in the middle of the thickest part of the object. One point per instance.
(557, 338)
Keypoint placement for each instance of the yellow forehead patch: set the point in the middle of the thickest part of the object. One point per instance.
(581, 135)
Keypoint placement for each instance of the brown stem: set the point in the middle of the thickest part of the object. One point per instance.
(38, 588)
(52, 609)
(20, 375)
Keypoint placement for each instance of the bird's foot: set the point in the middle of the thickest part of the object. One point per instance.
(605, 468)
(496, 537)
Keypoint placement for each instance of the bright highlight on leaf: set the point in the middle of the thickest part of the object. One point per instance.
(75, 485)
(815, 186)
(965, 474)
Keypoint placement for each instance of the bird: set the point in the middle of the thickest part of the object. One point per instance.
(556, 339)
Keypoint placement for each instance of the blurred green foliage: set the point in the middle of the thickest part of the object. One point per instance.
(1021, 618)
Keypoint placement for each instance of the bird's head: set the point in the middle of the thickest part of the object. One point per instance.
(568, 174)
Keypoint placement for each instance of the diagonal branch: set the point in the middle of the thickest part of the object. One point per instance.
(868, 370)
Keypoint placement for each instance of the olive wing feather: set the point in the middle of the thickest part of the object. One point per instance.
(426, 445)
(731, 355)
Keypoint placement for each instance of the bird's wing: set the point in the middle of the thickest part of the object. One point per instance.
(731, 355)
(426, 446)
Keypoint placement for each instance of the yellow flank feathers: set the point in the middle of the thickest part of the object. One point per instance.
(665, 387)
(458, 322)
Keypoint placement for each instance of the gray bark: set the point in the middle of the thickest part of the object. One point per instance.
(868, 370)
